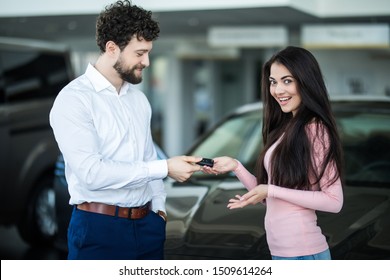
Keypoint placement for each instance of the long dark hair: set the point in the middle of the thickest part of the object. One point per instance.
(292, 165)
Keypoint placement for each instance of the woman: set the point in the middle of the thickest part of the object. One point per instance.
(299, 170)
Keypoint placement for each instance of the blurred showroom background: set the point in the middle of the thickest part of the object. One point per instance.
(208, 58)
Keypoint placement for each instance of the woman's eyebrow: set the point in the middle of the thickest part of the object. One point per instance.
(284, 77)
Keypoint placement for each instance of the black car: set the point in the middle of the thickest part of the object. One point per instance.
(31, 75)
(201, 227)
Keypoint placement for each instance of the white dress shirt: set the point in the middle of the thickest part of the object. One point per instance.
(106, 142)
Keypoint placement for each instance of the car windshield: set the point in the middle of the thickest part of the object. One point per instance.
(365, 138)
(238, 137)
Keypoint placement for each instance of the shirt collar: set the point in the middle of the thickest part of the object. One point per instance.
(98, 81)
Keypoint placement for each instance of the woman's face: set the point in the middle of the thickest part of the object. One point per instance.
(283, 88)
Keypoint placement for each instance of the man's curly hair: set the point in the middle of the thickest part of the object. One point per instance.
(120, 21)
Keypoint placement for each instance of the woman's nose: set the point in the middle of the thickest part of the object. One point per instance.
(279, 88)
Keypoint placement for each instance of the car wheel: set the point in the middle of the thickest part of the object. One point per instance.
(39, 223)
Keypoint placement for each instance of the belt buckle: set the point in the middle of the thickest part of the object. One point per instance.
(129, 214)
(140, 212)
(136, 215)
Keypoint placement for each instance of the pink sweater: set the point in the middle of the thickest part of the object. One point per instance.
(291, 220)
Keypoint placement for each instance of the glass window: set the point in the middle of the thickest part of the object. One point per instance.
(366, 138)
(31, 74)
(238, 137)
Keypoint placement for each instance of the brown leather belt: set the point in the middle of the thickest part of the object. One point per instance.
(112, 210)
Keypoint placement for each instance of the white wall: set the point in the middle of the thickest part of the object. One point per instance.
(368, 70)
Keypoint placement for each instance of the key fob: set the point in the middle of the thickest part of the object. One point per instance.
(206, 161)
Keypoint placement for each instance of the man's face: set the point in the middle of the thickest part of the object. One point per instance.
(132, 60)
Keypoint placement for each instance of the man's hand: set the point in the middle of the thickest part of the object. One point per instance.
(181, 168)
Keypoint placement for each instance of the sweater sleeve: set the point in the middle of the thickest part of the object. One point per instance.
(245, 177)
(329, 197)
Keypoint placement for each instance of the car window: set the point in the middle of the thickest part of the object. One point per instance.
(238, 137)
(366, 138)
(23, 77)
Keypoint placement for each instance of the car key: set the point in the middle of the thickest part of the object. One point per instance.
(206, 162)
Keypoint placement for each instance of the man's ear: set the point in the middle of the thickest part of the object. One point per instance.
(111, 48)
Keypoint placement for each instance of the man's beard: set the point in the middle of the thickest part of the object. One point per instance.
(128, 75)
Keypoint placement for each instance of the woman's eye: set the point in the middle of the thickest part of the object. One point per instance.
(287, 81)
(272, 82)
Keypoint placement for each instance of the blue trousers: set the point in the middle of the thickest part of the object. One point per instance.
(94, 236)
(325, 255)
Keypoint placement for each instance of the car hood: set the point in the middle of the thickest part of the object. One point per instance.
(200, 225)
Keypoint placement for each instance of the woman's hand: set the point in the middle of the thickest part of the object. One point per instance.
(221, 166)
(254, 196)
